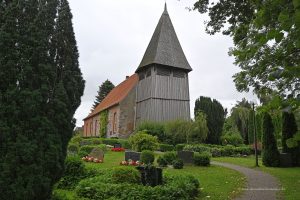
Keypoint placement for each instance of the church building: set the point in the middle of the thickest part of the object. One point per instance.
(158, 91)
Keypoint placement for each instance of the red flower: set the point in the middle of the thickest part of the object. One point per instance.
(118, 149)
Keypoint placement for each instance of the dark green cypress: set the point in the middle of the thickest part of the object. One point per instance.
(215, 117)
(270, 153)
(37, 101)
(289, 129)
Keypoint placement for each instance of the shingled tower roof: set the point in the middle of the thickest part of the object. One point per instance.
(164, 47)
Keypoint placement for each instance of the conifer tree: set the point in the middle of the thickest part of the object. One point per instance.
(270, 153)
(215, 117)
(40, 89)
(103, 91)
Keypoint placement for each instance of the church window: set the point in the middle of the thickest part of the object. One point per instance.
(178, 74)
(115, 123)
(163, 72)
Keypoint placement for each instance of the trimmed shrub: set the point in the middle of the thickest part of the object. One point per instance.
(153, 128)
(125, 175)
(142, 141)
(110, 141)
(216, 152)
(74, 171)
(179, 147)
(166, 147)
(147, 157)
(196, 147)
(270, 153)
(234, 139)
(202, 159)
(125, 144)
(183, 187)
(170, 156)
(162, 162)
(177, 164)
(73, 148)
(243, 150)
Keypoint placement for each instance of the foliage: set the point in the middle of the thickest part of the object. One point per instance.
(179, 147)
(202, 159)
(142, 141)
(147, 157)
(289, 128)
(169, 157)
(40, 89)
(165, 147)
(199, 129)
(177, 131)
(103, 91)
(270, 154)
(234, 139)
(162, 162)
(125, 175)
(240, 116)
(215, 117)
(74, 171)
(177, 163)
(175, 187)
(73, 148)
(153, 128)
(196, 147)
(266, 41)
(103, 121)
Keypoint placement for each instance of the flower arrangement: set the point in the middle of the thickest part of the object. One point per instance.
(118, 149)
(91, 159)
(131, 163)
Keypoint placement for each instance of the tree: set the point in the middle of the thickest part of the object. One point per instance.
(215, 117)
(199, 129)
(289, 129)
(266, 41)
(103, 91)
(40, 89)
(270, 153)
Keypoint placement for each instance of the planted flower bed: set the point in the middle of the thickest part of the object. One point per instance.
(119, 149)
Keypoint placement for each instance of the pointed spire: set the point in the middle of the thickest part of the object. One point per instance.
(164, 47)
(165, 10)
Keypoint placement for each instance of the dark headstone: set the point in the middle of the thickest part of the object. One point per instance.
(186, 156)
(150, 175)
(285, 160)
(117, 145)
(132, 155)
(97, 153)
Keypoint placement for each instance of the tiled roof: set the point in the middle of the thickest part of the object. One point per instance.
(116, 95)
(164, 47)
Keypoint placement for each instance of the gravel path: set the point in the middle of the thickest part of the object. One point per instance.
(260, 185)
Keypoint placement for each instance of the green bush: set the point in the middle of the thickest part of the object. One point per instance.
(196, 147)
(184, 187)
(153, 128)
(76, 139)
(234, 139)
(243, 150)
(170, 156)
(177, 164)
(125, 175)
(228, 150)
(110, 141)
(125, 144)
(73, 148)
(216, 152)
(143, 141)
(179, 147)
(74, 171)
(166, 147)
(202, 159)
(161, 161)
(147, 157)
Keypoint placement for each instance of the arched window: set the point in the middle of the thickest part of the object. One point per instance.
(115, 123)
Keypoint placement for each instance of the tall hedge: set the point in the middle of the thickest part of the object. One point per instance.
(270, 153)
(40, 88)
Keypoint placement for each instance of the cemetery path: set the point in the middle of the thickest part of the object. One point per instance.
(260, 185)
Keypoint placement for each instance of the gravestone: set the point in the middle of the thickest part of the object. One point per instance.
(186, 156)
(150, 175)
(285, 160)
(97, 153)
(132, 155)
(117, 145)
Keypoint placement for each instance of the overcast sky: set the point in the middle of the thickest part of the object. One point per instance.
(112, 36)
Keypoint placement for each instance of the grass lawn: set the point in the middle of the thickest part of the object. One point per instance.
(288, 177)
(215, 182)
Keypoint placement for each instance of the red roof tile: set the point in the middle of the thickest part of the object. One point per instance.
(116, 95)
